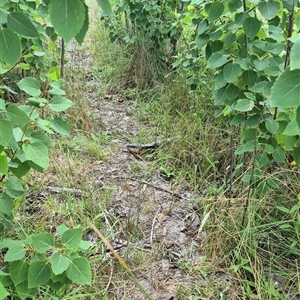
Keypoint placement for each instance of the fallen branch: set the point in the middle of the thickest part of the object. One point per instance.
(119, 258)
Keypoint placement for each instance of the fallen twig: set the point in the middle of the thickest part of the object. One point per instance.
(119, 258)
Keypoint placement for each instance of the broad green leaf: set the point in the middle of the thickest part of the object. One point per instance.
(232, 92)
(244, 63)
(3, 164)
(252, 121)
(14, 187)
(24, 292)
(251, 27)
(249, 77)
(59, 103)
(61, 229)
(38, 153)
(217, 60)
(202, 40)
(84, 245)
(297, 20)
(292, 129)
(105, 5)
(261, 160)
(244, 105)
(37, 102)
(272, 71)
(259, 87)
(18, 271)
(14, 253)
(286, 90)
(39, 273)
(79, 271)
(53, 74)
(6, 204)
(57, 92)
(44, 125)
(203, 25)
(269, 149)
(39, 136)
(279, 155)
(6, 132)
(296, 155)
(215, 11)
(22, 168)
(72, 238)
(16, 116)
(247, 147)
(268, 9)
(20, 23)
(272, 126)
(295, 56)
(42, 242)
(60, 126)
(298, 116)
(219, 80)
(80, 36)
(229, 39)
(231, 71)
(238, 119)
(59, 263)
(234, 5)
(10, 46)
(3, 292)
(290, 142)
(67, 17)
(30, 85)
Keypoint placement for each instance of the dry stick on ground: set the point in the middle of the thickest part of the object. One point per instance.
(154, 186)
(119, 258)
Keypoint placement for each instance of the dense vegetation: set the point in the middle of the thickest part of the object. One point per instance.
(221, 78)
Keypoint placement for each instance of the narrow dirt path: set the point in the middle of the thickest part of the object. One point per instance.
(153, 222)
(164, 225)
